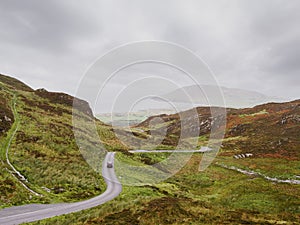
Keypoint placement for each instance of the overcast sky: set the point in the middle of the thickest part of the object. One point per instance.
(252, 44)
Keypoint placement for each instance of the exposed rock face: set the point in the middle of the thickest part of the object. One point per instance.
(240, 156)
(289, 119)
(6, 116)
(5, 124)
(7, 119)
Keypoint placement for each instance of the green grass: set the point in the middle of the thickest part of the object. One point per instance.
(272, 167)
(131, 197)
(45, 152)
(262, 112)
(131, 171)
(215, 196)
(6, 140)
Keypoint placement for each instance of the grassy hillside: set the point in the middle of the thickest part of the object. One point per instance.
(218, 195)
(270, 130)
(36, 128)
(43, 148)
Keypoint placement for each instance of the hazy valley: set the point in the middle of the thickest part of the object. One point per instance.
(37, 138)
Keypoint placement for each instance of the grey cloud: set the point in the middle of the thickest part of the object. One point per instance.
(248, 44)
(285, 57)
(50, 26)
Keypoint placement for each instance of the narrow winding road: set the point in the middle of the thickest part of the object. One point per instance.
(35, 212)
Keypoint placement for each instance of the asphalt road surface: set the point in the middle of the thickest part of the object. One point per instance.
(203, 149)
(35, 212)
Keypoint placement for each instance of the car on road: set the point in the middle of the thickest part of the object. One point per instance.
(109, 165)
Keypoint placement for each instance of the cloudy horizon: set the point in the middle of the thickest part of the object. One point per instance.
(253, 45)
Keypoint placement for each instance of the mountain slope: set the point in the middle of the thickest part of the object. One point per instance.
(8, 85)
(266, 130)
(14, 83)
(43, 148)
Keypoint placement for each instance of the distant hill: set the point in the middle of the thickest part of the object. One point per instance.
(36, 129)
(130, 119)
(270, 129)
(234, 98)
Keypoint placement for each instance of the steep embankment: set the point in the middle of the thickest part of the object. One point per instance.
(43, 148)
(11, 189)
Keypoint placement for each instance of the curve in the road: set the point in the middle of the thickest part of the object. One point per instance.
(31, 213)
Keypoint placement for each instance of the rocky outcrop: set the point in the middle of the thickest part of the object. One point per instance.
(6, 116)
